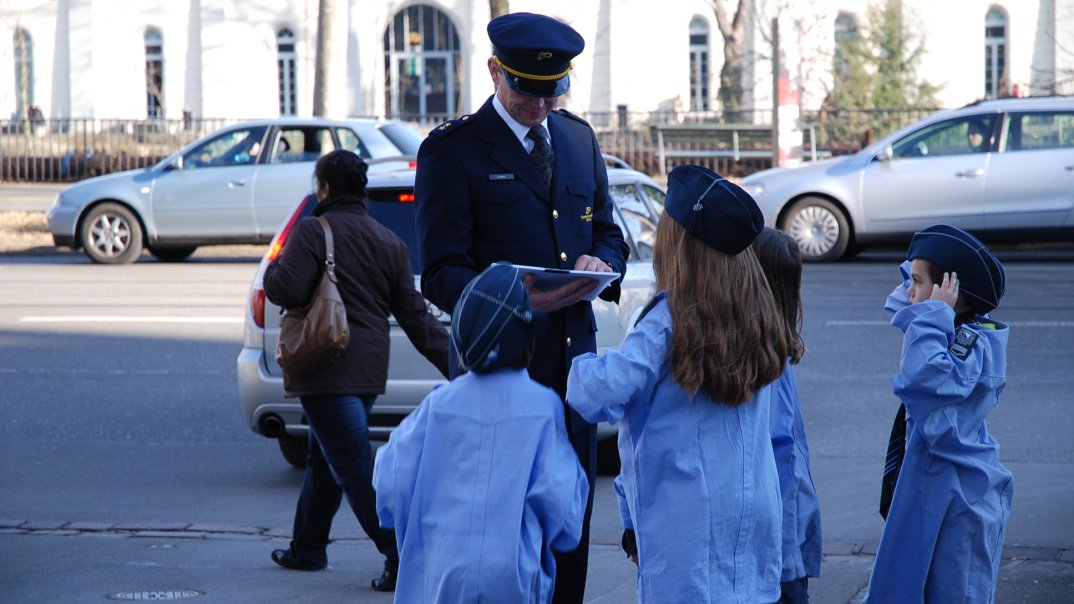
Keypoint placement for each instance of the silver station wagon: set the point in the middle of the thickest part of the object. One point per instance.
(233, 186)
(1002, 169)
(638, 203)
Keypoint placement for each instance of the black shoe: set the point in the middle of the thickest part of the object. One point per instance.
(386, 580)
(286, 559)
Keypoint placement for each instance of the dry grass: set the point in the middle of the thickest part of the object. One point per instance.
(24, 232)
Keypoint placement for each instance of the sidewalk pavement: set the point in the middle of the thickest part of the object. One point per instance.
(94, 562)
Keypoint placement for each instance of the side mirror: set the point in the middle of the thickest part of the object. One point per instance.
(884, 154)
(175, 164)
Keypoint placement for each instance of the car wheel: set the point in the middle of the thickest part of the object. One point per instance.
(172, 253)
(294, 449)
(111, 235)
(819, 227)
(608, 456)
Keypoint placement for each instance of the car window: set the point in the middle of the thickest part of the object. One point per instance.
(349, 140)
(231, 148)
(967, 134)
(1031, 131)
(404, 137)
(301, 144)
(638, 221)
(394, 208)
(654, 196)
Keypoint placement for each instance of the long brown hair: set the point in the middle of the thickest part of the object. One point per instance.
(781, 261)
(728, 337)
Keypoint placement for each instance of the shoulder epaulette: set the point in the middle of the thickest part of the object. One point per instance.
(574, 117)
(449, 126)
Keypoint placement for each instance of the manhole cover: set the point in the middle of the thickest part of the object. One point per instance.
(171, 594)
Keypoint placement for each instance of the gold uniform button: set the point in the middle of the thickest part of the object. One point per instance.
(555, 214)
(563, 256)
(568, 341)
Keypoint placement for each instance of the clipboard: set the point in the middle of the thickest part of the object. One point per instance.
(551, 278)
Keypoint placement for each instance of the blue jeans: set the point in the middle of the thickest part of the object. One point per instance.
(340, 462)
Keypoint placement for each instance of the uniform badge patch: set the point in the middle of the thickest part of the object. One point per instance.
(588, 216)
(963, 344)
(503, 176)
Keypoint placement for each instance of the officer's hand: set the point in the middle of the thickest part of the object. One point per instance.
(593, 264)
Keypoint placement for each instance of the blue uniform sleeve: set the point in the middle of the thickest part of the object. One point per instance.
(600, 388)
(624, 507)
(395, 469)
(443, 223)
(899, 298)
(559, 489)
(930, 375)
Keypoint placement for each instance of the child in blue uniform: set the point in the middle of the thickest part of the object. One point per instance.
(951, 500)
(698, 484)
(782, 264)
(480, 481)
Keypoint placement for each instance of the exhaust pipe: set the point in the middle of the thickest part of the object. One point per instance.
(272, 425)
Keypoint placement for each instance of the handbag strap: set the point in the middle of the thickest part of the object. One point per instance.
(329, 249)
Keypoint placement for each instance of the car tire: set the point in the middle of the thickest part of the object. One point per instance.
(110, 234)
(172, 253)
(820, 229)
(294, 449)
(608, 463)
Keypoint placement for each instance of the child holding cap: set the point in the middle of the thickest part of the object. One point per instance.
(699, 492)
(946, 497)
(480, 481)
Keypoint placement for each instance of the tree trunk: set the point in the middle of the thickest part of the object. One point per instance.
(326, 32)
(732, 93)
(498, 7)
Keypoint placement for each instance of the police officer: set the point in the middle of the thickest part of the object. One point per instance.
(519, 182)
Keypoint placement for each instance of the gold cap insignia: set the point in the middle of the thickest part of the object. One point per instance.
(544, 54)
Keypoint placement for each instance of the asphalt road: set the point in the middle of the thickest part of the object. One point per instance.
(127, 470)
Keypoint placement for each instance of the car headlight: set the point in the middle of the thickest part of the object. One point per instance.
(755, 189)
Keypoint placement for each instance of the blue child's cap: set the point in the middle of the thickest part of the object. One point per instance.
(492, 323)
(534, 52)
(980, 275)
(712, 208)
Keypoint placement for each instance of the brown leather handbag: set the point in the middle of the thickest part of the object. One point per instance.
(315, 334)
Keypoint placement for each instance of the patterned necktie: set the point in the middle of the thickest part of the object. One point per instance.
(893, 461)
(541, 154)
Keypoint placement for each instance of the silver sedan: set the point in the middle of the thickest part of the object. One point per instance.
(1003, 170)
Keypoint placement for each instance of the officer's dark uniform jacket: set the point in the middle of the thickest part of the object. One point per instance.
(480, 200)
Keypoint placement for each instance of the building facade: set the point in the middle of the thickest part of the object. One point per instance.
(426, 59)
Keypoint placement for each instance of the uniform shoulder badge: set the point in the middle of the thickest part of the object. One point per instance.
(574, 117)
(963, 343)
(449, 126)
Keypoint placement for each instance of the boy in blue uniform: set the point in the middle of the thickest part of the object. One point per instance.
(948, 499)
(480, 482)
(699, 486)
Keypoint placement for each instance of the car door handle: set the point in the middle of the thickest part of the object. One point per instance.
(236, 183)
(970, 173)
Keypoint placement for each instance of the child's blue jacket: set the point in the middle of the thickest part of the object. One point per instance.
(944, 533)
(481, 484)
(698, 482)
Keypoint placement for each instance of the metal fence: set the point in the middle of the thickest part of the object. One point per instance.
(67, 150)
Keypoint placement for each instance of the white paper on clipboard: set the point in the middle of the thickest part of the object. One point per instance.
(550, 278)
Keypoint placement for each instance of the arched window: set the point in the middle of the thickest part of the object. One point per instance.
(421, 64)
(24, 72)
(285, 67)
(846, 34)
(995, 54)
(154, 74)
(699, 64)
